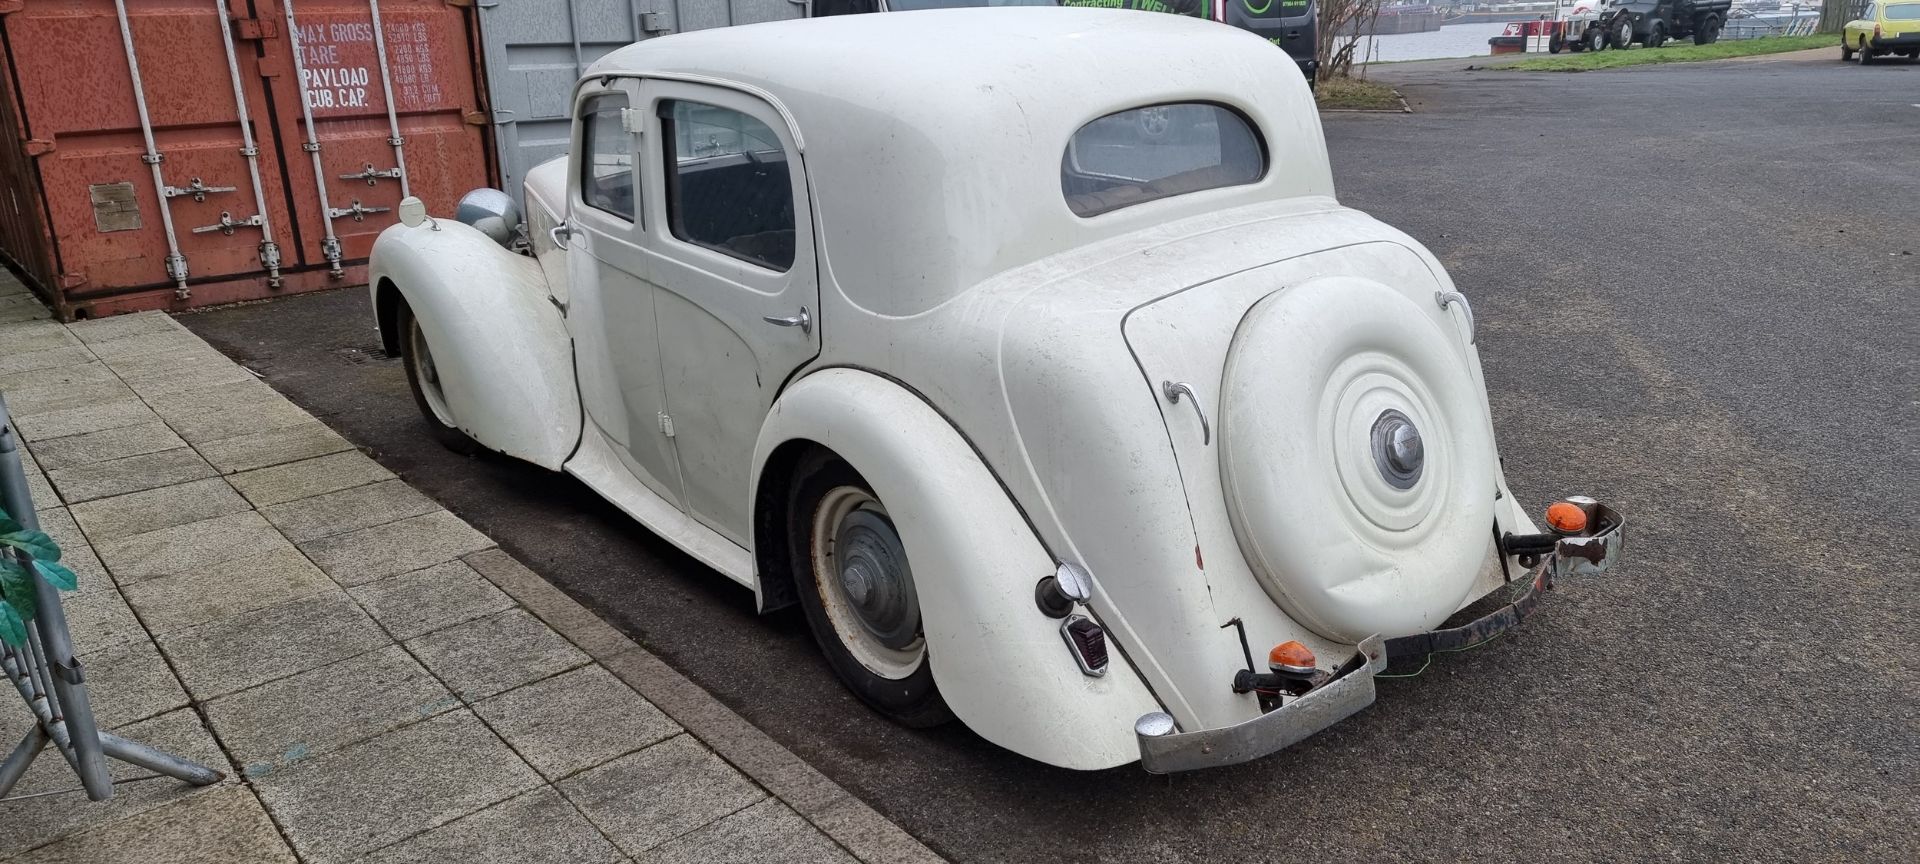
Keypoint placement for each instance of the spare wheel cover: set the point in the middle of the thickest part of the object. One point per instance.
(1314, 373)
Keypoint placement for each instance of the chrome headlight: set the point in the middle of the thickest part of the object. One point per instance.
(492, 212)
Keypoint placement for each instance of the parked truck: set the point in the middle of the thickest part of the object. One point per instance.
(1653, 22)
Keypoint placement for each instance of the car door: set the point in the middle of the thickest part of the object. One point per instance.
(610, 305)
(736, 290)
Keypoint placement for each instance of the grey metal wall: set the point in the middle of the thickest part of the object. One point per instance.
(536, 49)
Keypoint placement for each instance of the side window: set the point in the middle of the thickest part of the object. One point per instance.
(606, 166)
(728, 187)
(823, 8)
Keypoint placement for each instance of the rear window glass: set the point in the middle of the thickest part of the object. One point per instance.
(1143, 154)
(1904, 12)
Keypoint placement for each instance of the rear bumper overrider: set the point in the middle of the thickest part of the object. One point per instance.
(1165, 750)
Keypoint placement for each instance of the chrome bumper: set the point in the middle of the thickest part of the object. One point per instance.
(1163, 750)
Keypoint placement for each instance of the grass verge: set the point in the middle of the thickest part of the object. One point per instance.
(1674, 52)
(1357, 94)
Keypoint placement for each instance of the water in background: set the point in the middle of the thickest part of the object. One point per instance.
(1457, 40)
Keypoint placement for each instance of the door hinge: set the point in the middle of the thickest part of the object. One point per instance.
(666, 425)
(632, 121)
(38, 146)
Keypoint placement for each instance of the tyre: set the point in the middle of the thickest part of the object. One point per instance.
(1657, 35)
(1594, 39)
(851, 572)
(1864, 53)
(1555, 44)
(424, 379)
(1846, 53)
(1706, 31)
(1622, 33)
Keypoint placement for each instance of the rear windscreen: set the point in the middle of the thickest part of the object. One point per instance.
(1143, 154)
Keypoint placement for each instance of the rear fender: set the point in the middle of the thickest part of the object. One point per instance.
(500, 347)
(1001, 665)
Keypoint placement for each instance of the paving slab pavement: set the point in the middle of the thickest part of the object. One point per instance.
(378, 680)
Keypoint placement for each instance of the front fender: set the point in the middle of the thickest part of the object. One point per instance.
(500, 347)
(1000, 664)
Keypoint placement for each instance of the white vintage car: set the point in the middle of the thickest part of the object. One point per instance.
(1027, 350)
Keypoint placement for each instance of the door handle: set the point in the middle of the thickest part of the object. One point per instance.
(804, 321)
(1172, 390)
(1448, 298)
(559, 233)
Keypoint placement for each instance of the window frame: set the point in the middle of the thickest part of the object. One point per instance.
(588, 120)
(670, 184)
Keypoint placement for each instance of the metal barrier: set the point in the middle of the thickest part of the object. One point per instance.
(1800, 24)
(48, 676)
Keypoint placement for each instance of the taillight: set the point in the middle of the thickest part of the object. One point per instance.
(1088, 643)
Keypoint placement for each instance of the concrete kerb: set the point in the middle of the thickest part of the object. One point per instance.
(845, 819)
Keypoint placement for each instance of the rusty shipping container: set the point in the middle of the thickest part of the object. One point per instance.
(162, 154)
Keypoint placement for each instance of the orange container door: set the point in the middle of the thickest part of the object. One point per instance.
(429, 69)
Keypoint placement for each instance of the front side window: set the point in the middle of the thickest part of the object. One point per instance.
(1143, 154)
(606, 166)
(728, 186)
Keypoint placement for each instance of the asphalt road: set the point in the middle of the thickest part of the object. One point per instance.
(1696, 291)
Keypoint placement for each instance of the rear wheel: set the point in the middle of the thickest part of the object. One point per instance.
(1706, 31)
(423, 377)
(1865, 53)
(857, 591)
(1657, 35)
(1846, 53)
(1594, 39)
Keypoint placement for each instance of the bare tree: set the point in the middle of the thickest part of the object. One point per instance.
(1344, 25)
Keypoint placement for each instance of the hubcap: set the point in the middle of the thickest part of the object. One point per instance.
(873, 572)
(1397, 450)
(866, 587)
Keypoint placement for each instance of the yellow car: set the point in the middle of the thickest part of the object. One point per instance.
(1887, 27)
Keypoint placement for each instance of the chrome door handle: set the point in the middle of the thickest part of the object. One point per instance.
(1447, 298)
(804, 320)
(1172, 390)
(558, 232)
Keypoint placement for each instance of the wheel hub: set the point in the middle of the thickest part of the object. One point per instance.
(1397, 449)
(875, 578)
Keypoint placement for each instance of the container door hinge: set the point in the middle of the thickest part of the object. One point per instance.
(8, 7)
(358, 211)
(39, 146)
(197, 189)
(255, 28)
(652, 22)
(666, 425)
(477, 118)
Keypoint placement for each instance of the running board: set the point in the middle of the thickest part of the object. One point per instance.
(598, 465)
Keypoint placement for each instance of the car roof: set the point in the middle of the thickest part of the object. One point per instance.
(938, 134)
